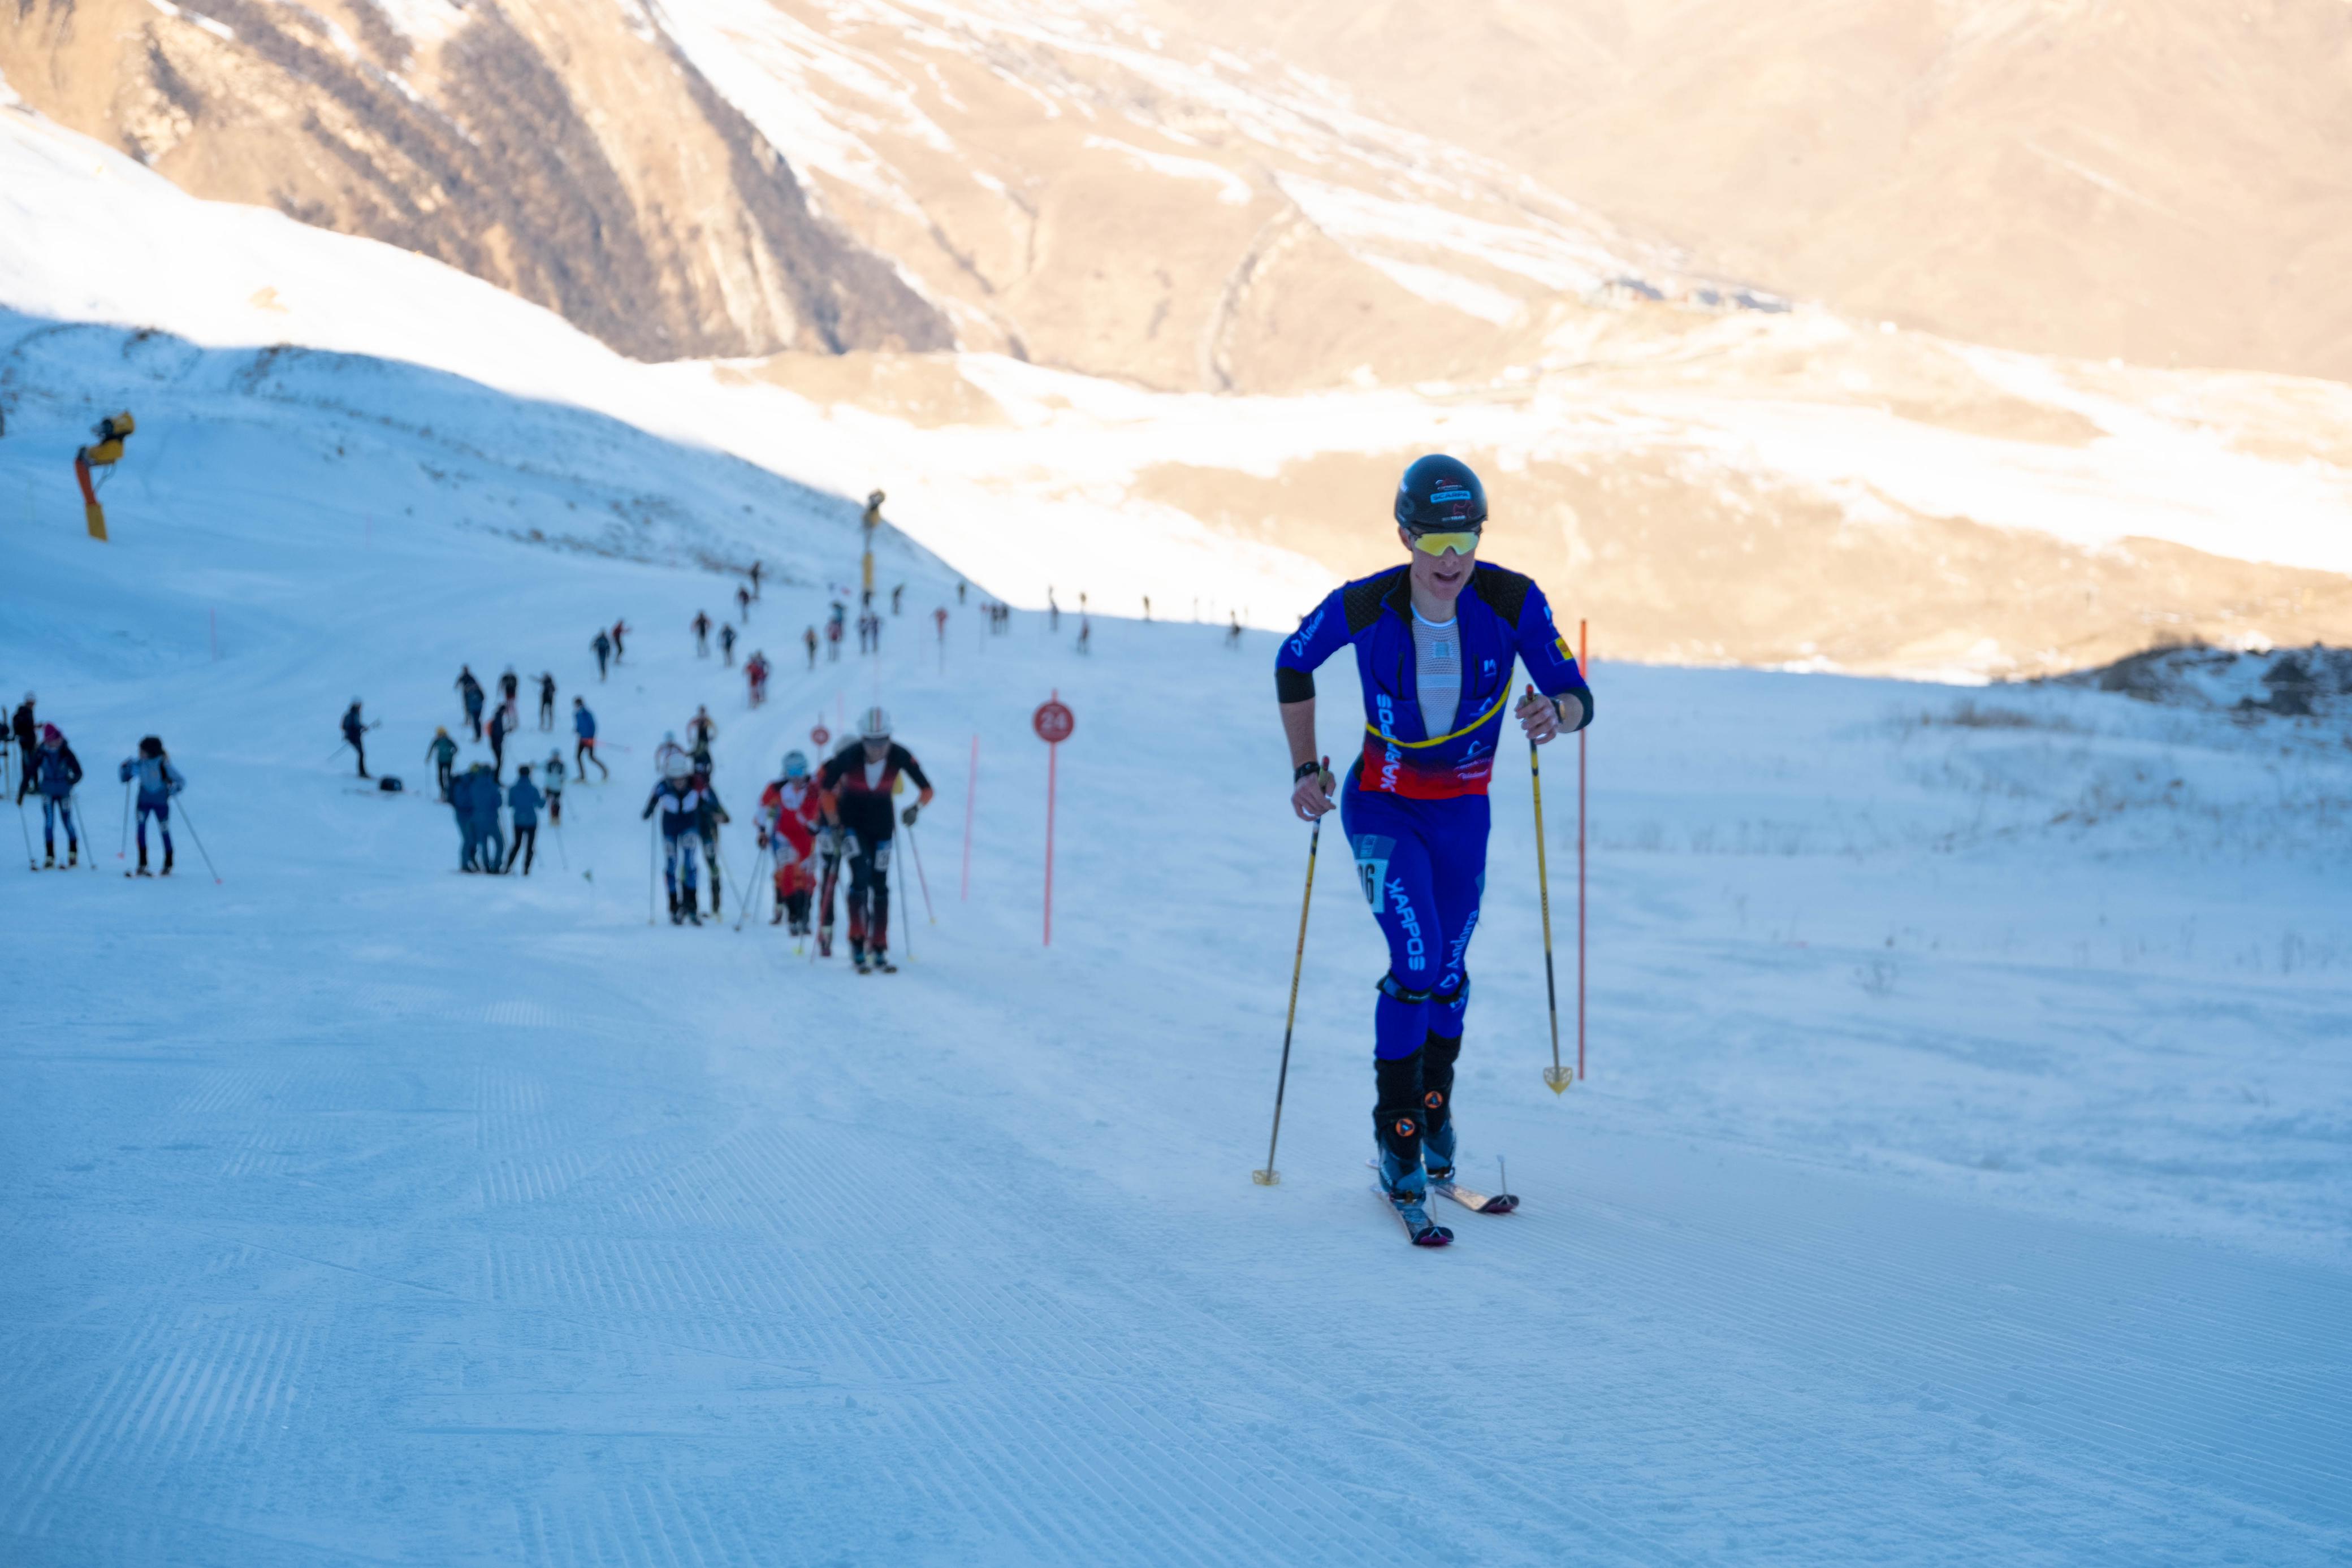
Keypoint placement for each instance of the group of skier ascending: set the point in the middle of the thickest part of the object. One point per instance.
(810, 825)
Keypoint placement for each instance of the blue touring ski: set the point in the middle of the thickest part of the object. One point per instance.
(1414, 1215)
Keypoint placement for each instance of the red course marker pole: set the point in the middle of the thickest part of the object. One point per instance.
(1053, 755)
(1584, 666)
(971, 792)
(1053, 721)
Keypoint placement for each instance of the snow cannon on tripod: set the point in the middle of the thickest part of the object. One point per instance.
(103, 452)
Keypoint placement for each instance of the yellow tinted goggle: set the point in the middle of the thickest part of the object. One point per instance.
(1464, 543)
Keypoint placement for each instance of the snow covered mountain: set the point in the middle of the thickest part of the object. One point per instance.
(1751, 486)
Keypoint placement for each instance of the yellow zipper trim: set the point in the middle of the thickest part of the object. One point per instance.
(1474, 724)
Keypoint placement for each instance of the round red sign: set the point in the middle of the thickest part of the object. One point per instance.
(1053, 722)
(819, 735)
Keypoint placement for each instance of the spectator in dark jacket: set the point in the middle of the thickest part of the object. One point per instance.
(56, 771)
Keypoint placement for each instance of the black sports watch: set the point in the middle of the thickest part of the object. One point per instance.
(1303, 768)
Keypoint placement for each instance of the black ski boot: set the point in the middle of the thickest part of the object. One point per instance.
(1397, 1124)
(167, 860)
(880, 959)
(1437, 1058)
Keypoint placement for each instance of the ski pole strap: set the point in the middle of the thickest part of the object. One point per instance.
(1441, 740)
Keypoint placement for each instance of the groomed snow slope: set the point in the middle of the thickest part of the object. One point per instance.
(1960, 1178)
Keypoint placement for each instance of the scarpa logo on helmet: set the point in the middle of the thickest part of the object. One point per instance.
(1451, 493)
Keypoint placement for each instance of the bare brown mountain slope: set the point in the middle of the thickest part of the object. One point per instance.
(2166, 181)
(545, 145)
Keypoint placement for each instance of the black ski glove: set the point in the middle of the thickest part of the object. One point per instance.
(907, 816)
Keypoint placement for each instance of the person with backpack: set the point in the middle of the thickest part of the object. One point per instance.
(809, 638)
(680, 805)
(620, 630)
(470, 689)
(726, 645)
(755, 672)
(701, 730)
(54, 771)
(510, 686)
(524, 801)
(583, 750)
(158, 780)
(546, 700)
(442, 754)
(603, 646)
(743, 603)
(355, 733)
(701, 624)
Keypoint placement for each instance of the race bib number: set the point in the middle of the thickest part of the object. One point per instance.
(1373, 852)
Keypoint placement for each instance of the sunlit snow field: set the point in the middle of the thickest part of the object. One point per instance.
(1961, 1174)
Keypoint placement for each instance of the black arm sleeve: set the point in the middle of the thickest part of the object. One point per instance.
(1293, 685)
(1584, 696)
(913, 769)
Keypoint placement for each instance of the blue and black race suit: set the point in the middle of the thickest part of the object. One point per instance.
(1414, 804)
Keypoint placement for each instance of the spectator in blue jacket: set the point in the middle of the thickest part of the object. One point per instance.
(524, 799)
(584, 725)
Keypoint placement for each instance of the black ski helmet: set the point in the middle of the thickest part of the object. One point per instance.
(1439, 494)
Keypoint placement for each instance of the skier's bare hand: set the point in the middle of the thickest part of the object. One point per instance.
(1312, 796)
(1538, 715)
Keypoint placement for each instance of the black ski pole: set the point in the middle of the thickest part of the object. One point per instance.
(76, 824)
(123, 847)
(26, 828)
(652, 875)
(1270, 1176)
(199, 842)
(558, 847)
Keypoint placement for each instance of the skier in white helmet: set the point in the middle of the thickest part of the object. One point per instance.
(857, 785)
(680, 803)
